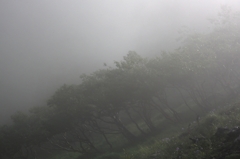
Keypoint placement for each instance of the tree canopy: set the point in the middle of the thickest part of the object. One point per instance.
(108, 100)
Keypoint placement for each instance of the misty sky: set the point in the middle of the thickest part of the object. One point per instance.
(46, 43)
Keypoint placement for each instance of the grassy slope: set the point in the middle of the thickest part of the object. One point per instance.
(172, 140)
(173, 143)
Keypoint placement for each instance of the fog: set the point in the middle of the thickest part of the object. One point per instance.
(44, 44)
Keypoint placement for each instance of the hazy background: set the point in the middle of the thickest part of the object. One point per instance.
(46, 43)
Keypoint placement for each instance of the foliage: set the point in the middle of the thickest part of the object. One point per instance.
(208, 139)
(128, 101)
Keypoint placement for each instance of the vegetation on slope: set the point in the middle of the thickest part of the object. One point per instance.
(140, 97)
(215, 136)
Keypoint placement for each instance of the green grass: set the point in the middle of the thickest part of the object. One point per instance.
(177, 145)
(65, 155)
(172, 139)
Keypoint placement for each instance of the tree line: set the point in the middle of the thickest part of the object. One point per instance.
(202, 73)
